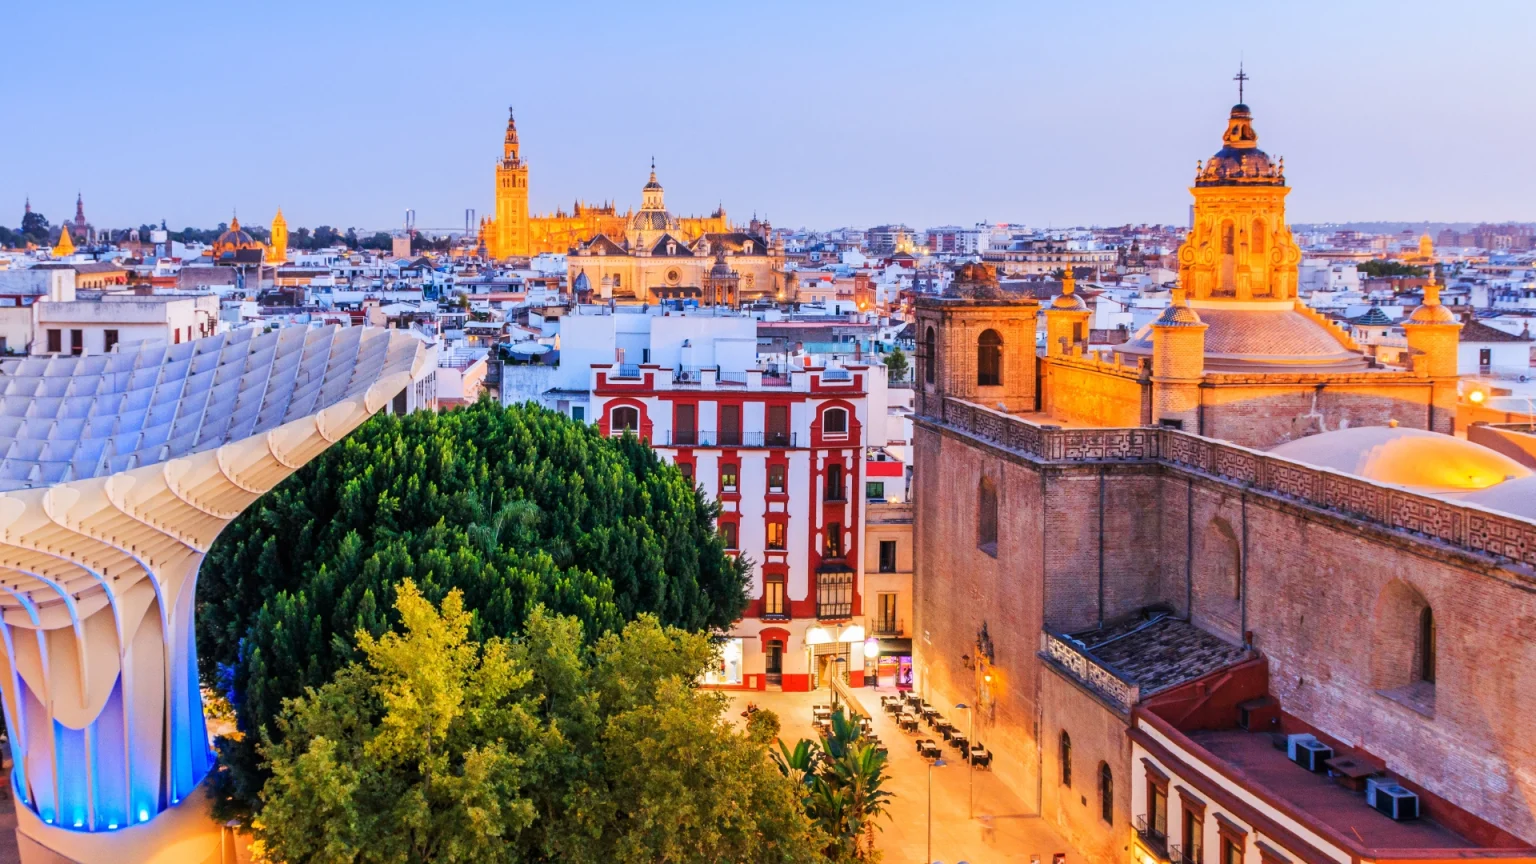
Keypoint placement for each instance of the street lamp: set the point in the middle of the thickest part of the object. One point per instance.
(970, 740)
(937, 763)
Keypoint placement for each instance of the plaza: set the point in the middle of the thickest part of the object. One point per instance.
(1005, 830)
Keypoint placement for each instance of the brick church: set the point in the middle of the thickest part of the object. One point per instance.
(1232, 593)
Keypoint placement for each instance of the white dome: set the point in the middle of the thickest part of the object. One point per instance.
(1515, 497)
(1424, 461)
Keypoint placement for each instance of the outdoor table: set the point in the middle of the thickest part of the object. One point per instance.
(820, 711)
(979, 755)
(958, 742)
(929, 749)
(945, 728)
(908, 722)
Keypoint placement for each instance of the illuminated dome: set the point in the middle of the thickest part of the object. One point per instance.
(1240, 162)
(652, 220)
(1258, 336)
(1413, 458)
(235, 238)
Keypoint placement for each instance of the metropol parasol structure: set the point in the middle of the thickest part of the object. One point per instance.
(118, 471)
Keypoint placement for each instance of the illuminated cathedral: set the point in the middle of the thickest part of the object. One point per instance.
(513, 232)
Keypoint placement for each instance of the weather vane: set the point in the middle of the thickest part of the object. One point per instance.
(1240, 77)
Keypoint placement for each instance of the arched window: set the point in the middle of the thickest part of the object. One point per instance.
(1256, 239)
(986, 517)
(1106, 793)
(1426, 649)
(929, 344)
(834, 422)
(989, 359)
(624, 418)
(1066, 759)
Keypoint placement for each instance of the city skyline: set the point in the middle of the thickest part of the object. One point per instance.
(840, 117)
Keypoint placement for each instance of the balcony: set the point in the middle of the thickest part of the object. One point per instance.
(689, 438)
(1151, 839)
(834, 591)
(692, 374)
(628, 370)
(1180, 855)
(1101, 678)
(769, 439)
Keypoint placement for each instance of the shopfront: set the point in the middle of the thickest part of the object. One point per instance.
(725, 670)
(894, 663)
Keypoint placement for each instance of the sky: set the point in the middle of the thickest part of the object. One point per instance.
(815, 114)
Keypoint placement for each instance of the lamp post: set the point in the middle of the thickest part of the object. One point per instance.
(970, 740)
(937, 763)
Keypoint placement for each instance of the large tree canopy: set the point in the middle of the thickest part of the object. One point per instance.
(435, 748)
(515, 507)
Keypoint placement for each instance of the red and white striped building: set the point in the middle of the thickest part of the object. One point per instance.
(783, 450)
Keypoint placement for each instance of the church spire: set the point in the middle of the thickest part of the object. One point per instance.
(510, 151)
(79, 209)
(66, 244)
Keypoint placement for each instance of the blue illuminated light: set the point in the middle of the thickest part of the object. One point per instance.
(143, 815)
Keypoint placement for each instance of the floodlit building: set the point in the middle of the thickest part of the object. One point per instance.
(119, 471)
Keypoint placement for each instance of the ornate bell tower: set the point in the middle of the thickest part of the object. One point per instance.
(510, 236)
(1239, 247)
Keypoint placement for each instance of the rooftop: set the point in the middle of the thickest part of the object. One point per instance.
(1318, 796)
(1159, 651)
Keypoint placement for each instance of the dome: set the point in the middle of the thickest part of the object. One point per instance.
(1240, 162)
(1516, 497)
(1256, 336)
(652, 220)
(236, 238)
(1420, 460)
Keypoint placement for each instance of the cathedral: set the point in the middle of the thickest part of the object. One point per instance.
(514, 233)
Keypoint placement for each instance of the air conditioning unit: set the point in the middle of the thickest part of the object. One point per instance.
(1391, 799)
(1308, 752)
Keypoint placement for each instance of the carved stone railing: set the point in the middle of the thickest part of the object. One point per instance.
(1097, 675)
(1466, 526)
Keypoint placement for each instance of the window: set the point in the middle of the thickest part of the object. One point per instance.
(778, 425)
(775, 535)
(728, 476)
(1426, 650)
(687, 469)
(834, 544)
(624, 418)
(578, 413)
(77, 342)
(1106, 794)
(730, 425)
(929, 344)
(1485, 357)
(874, 490)
(773, 594)
(108, 339)
(886, 620)
(989, 359)
(1065, 756)
(1194, 829)
(726, 666)
(55, 341)
(834, 423)
(775, 478)
(1231, 851)
(728, 534)
(1226, 238)
(887, 556)
(835, 482)
(986, 517)
(684, 431)
(834, 594)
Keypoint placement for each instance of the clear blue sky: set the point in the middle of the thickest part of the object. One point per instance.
(817, 113)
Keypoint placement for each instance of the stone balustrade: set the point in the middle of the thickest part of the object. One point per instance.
(1098, 676)
(1509, 539)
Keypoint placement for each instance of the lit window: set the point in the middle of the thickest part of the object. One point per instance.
(776, 535)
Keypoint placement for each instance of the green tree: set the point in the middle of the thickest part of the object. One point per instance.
(435, 748)
(896, 365)
(516, 507)
(842, 784)
(379, 240)
(1377, 268)
(36, 228)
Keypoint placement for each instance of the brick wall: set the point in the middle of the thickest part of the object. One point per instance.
(1315, 586)
(1262, 414)
(1098, 738)
(1078, 392)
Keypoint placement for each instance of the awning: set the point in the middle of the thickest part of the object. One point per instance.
(895, 646)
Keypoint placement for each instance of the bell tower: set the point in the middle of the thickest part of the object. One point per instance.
(510, 236)
(1239, 247)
